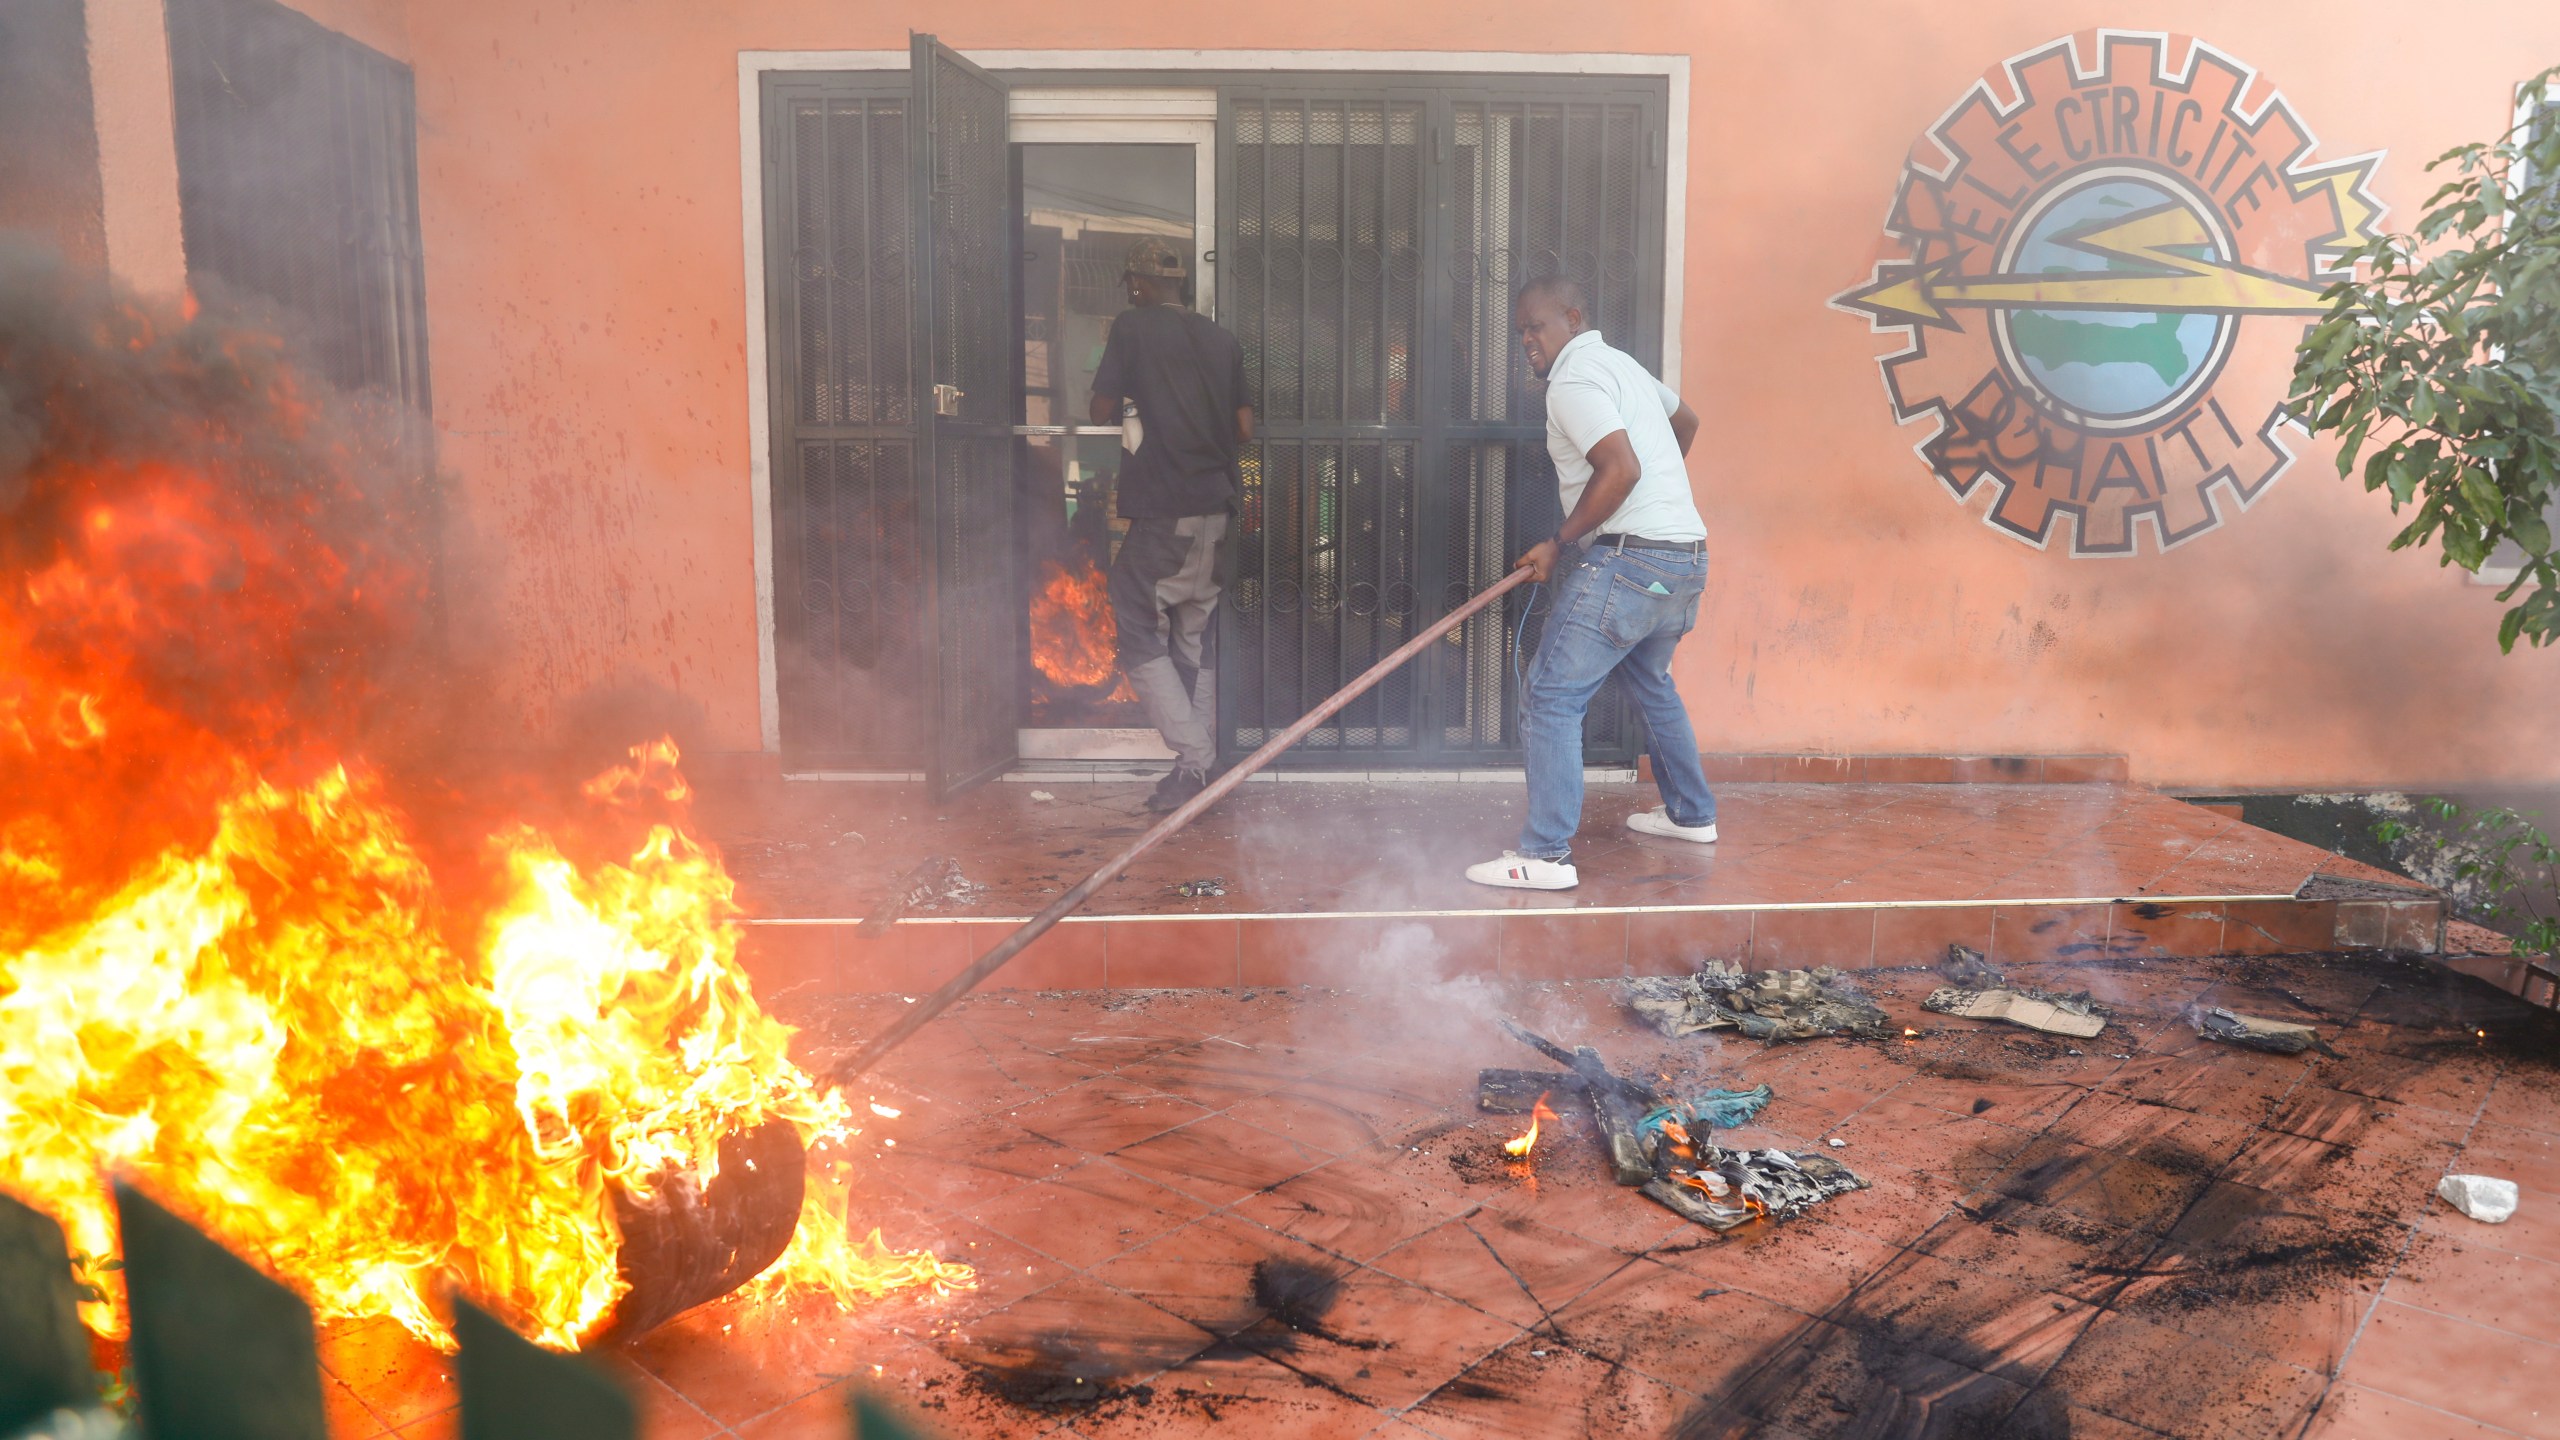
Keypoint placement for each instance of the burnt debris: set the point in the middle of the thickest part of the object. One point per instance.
(1664, 1148)
(1770, 1005)
(935, 883)
(1980, 992)
(2278, 1037)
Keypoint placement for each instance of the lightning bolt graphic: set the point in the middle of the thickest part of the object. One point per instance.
(2170, 243)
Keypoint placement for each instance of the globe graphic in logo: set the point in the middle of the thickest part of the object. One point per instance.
(2105, 368)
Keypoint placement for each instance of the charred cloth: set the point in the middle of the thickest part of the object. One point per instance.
(1664, 1147)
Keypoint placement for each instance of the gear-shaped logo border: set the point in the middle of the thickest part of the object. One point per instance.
(2256, 229)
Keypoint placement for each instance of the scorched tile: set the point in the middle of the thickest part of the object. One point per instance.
(1534, 1388)
(1219, 1160)
(1506, 1266)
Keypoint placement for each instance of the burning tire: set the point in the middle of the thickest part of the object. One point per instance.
(690, 1242)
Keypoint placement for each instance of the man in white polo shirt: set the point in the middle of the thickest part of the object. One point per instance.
(1627, 568)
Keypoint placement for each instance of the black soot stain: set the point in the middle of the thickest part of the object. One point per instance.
(1295, 1293)
(1058, 1369)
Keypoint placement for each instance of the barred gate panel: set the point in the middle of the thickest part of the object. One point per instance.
(1322, 283)
(848, 551)
(298, 185)
(1370, 247)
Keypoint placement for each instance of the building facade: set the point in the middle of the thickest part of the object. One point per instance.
(759, 332)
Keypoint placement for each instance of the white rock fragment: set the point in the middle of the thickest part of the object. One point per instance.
(1042, 795)
(1836, 1143)
(2485, 1198)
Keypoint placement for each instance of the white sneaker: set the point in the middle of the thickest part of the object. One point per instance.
(1515, 871)
(1658, 822)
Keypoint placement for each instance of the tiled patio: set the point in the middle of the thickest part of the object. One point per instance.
(2160, 1236)
(1836, 874)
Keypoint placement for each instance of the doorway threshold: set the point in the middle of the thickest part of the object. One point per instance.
(1101, 744)
(1104, 772)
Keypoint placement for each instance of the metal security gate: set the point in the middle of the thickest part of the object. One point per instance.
(848, 551)
(298, 188)
(964, 298)
(1372, 237)
(1371, 232)
(889, 314)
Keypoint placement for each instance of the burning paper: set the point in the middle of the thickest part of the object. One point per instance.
(1771, 1005)
(1727, 1188)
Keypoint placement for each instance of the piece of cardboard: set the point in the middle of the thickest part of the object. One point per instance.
(2015, 1008)
(2283, 1037)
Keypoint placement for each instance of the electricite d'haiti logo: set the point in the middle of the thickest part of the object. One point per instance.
(2085, 252)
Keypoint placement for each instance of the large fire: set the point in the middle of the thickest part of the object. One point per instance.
(1073, 636)
(258, 973)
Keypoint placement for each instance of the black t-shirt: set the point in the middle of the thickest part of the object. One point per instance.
(1187, 376)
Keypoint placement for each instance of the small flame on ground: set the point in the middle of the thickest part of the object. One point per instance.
(886, 1112)
(1539, 1114)
(1910, 1034)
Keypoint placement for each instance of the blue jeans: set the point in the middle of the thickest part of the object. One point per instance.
(1622, 610)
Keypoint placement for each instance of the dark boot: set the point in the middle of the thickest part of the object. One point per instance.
(1175, 789)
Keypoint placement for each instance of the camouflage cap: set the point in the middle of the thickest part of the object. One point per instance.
(1154, 257)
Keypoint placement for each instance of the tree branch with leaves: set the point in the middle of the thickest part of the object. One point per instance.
(2438, 363)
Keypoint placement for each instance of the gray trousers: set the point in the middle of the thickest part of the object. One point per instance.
(1164, 585)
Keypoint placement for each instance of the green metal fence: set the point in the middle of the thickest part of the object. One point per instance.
(221, 1352)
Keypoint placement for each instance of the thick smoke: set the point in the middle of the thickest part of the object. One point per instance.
(199, 558)
(215, 568)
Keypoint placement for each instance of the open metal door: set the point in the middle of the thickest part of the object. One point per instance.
(961, 190)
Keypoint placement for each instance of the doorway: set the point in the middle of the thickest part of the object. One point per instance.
(1082, 203)
(1359, 233)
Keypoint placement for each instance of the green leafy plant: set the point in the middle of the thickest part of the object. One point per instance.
(2497, 862)
(2442, 354)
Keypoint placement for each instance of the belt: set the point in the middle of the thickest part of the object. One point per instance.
(1638, 542)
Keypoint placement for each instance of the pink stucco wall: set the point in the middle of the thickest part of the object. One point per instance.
(581, 191)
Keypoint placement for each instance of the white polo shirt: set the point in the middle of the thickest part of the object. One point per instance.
(1594, 392)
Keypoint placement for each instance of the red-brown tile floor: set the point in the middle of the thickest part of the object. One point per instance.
(2143, 1233)
(1835, 874)
(832, 850)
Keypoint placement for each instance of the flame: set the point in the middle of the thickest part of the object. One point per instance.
(385, 1051)
(1073, 637)
(1539, 1114)
(272, 1033)
(1715, 1187)
(1910, 1034)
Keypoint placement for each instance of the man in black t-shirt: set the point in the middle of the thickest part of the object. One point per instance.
(1175, 383)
